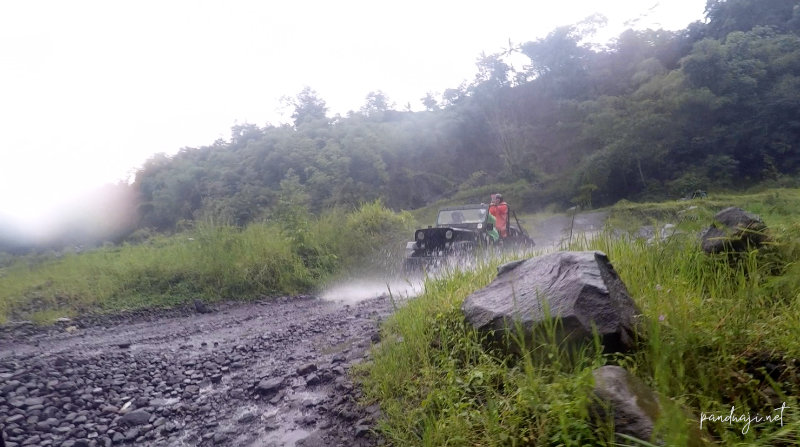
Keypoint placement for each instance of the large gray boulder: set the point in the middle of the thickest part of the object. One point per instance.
(581, 288)
(734, 230)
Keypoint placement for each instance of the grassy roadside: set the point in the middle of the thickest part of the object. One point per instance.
(210, 262)
(720, 334)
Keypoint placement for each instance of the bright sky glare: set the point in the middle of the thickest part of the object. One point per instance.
(89, 89)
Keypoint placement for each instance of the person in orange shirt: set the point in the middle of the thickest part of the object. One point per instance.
(499, 209)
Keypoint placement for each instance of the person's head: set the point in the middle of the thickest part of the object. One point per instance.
(497, 198)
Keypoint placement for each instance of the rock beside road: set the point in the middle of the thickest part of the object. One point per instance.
(734, 230)
(580, 288)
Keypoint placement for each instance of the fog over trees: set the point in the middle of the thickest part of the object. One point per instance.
(653, 115)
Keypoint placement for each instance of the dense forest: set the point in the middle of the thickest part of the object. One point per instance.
(654, 114)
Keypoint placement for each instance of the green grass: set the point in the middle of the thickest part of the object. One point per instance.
(712, 327)
(210, 262)
(779, 205)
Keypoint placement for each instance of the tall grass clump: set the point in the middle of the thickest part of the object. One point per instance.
(369, 237)
(720, 334)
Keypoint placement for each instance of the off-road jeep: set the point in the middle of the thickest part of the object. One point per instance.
(459, 231)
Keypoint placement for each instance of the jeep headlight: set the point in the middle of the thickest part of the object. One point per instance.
(480, 226)
(448, 234)
(420, 235)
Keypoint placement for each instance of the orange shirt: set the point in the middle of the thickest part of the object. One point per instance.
(500, 213)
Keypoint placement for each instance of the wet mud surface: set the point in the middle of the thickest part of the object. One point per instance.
(268, 373)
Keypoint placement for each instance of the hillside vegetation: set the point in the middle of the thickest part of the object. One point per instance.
(653, 115)
(721, 333)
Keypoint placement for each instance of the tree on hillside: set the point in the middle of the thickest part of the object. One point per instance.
(308, 106)
(493, 72)
(377, 103)
(241, 134)
(561, 61)
(429, 102)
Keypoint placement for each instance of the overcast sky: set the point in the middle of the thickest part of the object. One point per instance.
(90, 89)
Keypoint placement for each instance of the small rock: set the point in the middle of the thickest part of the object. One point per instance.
(307, 368)
(269, 386)
(192, 389)
(634, 407)
(31, 401)
(312, 380)
(278, 397)
(131, 434)
(201, 307)
(220, 438)
(247, 418)
(362, 431)
(109, 409)
(137, 417)
(14, 418)
(307, 420)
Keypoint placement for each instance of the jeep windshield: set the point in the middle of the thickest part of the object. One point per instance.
(469, 215)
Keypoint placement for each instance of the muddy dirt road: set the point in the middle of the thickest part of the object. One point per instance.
(269, 373)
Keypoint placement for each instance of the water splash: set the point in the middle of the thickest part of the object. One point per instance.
(353, 291)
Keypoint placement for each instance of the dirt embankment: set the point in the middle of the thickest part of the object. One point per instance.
(270, 373)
